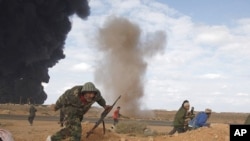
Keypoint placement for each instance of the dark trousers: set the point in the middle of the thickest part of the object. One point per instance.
(178, 129)
(30, 119)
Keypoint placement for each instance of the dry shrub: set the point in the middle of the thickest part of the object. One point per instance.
(130, 127)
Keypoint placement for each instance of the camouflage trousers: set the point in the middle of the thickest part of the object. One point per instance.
(72, 130)
(30, 119)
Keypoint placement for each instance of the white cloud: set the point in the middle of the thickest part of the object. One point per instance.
(212, 35)
(242, 94)
(211, 76)
(216, 93)
(243, 26)
(44, 85)
(81, 67)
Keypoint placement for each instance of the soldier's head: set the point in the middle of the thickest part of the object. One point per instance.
(185, 101)
(208, 111)
(186, 105)
(89, 91)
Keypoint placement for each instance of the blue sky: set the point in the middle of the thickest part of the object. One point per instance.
(211, 11)
(206, 59)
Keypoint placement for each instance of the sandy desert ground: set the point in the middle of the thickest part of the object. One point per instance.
(22, 131)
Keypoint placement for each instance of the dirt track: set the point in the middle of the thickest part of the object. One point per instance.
(91, 120)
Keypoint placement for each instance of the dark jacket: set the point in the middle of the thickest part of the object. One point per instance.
(179, 119)
(32, 111)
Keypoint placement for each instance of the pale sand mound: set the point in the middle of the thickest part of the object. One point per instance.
(98, 134)
(217, 132)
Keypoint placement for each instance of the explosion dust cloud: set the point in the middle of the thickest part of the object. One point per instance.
(122, 69)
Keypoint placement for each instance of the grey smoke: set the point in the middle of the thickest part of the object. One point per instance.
(123, 65)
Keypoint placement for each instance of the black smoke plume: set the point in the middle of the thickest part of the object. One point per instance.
(32, 38)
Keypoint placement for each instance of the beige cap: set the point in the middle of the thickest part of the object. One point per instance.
(208, 111)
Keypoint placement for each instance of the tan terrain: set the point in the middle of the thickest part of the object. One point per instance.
(22, 131)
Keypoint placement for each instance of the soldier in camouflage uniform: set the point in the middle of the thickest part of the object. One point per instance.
(74, 103)
(32, 114)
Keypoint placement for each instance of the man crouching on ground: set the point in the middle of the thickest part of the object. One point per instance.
(75, 102)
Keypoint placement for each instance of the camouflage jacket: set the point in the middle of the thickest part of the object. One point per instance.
(71, 105)
(32, 110)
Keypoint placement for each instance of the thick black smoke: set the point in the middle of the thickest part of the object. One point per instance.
(32, 38)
